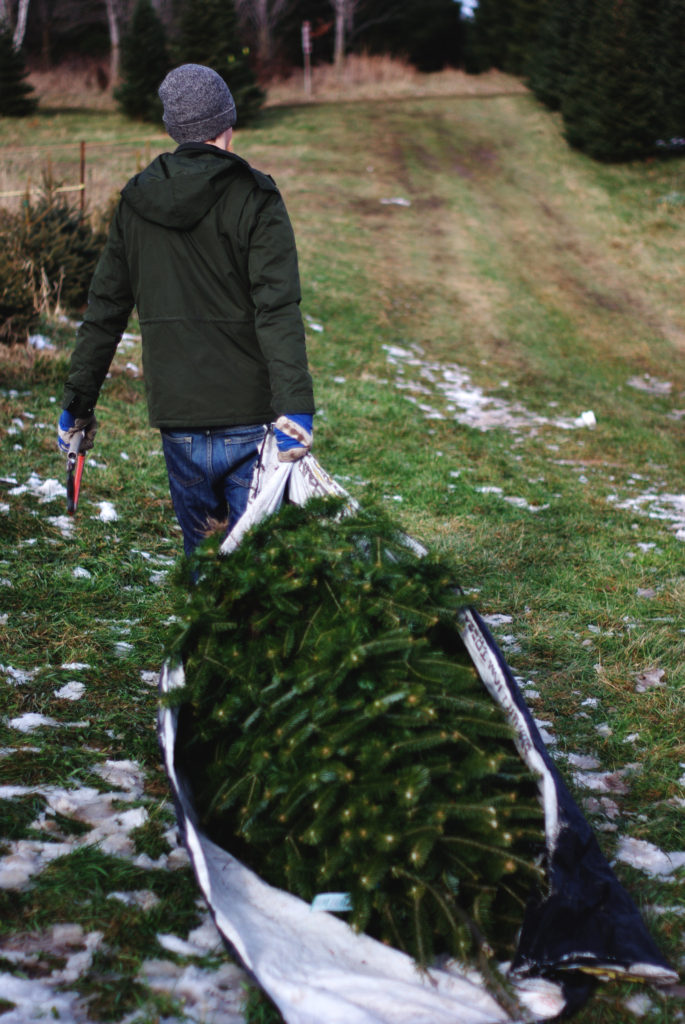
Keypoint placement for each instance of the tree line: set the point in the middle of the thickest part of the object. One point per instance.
(425, 32)
(614, 69)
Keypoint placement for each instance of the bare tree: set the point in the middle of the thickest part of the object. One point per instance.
(262, 16)
(113, 14)
(16, 18)
(344, 11)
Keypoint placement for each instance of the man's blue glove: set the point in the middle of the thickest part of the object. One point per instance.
(293, 436)
(68, 426)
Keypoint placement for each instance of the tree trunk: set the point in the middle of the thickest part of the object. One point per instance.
(263, 34)
(20, 27)
(339, 7)
(114, 41)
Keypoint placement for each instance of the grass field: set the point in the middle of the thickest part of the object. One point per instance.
(496, 332)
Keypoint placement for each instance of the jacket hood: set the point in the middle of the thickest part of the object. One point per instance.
(177, 189)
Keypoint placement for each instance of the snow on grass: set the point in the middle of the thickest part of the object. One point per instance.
(467, 403)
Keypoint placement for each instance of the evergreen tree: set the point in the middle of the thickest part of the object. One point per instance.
(336, 736)
(427, 33)
(550, 64)
(669, 71)
(15, 92)
(610, 107)
(144, 63)
(488, 36)
(208, 34)
(526, 21)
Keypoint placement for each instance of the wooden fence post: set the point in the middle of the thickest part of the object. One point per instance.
(82, 175)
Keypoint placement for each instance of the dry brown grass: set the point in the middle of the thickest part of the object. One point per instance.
(77, 83)
(377, 77)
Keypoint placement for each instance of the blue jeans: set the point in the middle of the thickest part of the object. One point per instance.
(210, 472)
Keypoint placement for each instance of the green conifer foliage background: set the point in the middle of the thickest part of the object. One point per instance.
(610, 106)
(144, 63)
(208, 34)
(552, 60)
(16, 99)
(669, 69)
(337, 738)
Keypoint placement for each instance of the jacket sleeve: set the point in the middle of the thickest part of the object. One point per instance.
(110, 301)
(275, 291)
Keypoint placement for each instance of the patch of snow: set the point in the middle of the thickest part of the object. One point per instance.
(70, 691)
(468, 403)
(79, 573)
(668, 508)
(127, 775)
(584, 761)
(497, 620)
(30, 721)
(39, 341)
(65, 524)
(602, 782)
(396, 201)
(35, 1000)
(18, 676)
(648, 858)
(44, 490)
(639, 1004)
(650, 679)
(145, 899)
(206, 995)
(107, 513)
(650, 384)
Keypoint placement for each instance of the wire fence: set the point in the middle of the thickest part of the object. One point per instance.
(93, 170)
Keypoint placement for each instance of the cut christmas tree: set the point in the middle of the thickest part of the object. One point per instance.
(336, 736)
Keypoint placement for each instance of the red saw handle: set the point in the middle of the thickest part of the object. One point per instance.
(74, 484)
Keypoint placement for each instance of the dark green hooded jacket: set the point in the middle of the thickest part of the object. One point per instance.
(202, 245)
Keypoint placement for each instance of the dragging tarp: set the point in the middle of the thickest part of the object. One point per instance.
(317, 969)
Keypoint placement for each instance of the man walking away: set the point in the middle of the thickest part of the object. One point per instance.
(201, 244)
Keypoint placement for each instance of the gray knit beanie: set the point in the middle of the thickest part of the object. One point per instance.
(197, 104)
